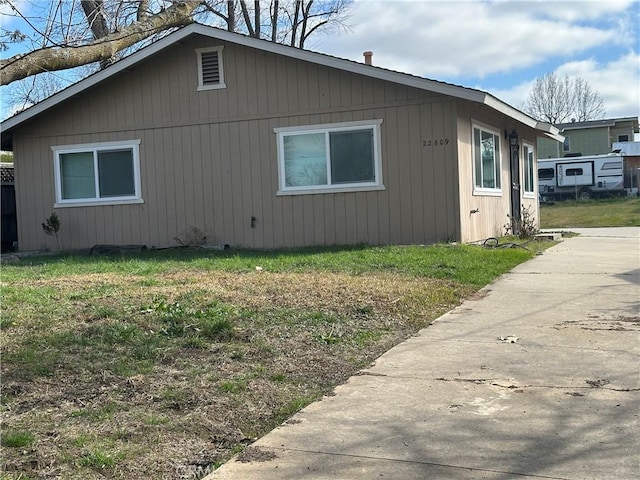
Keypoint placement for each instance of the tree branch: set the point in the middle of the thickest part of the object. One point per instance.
(61, 58)
(142, 14)
(247, 19)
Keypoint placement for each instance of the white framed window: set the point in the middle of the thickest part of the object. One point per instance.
(97, 174)
(339, 157)
(210, 68)
(566, 145)
(487, 169)
(528, 161)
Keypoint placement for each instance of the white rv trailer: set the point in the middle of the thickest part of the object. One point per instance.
(581, 177)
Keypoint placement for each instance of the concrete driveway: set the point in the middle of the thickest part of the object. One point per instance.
(539, 377)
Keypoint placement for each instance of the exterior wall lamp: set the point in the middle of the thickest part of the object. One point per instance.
(513, 138)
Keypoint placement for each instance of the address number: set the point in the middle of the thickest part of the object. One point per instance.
(435, 142)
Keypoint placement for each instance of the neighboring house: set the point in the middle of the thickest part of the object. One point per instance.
(9, 230)
(261, 145)
(594, 137)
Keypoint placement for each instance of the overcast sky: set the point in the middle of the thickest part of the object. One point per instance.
(501, 47)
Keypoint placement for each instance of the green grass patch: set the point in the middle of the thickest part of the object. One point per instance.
(233, 386)
(623, 212)
(462, 263)
(100, 459)
(16, 438)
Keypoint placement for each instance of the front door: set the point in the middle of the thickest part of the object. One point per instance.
(516, 205)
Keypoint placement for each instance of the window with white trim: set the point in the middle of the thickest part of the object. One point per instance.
(529, 162)
(210, 70)
(101, 173)
(566, 145)
(486, 161)
(329, 158)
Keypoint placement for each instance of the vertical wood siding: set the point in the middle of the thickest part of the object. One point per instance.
(208, 159)
(493, 211)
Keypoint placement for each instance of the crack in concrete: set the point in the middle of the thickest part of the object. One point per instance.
(591, 384)
(420, 462)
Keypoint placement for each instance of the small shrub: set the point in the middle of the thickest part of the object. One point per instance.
(524, 227)
(51, 227)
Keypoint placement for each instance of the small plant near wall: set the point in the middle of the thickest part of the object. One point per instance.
(51, 227)
(524, 227)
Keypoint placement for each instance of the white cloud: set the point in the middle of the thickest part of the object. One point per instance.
(617, 82)
(470, 38)
(467, 42)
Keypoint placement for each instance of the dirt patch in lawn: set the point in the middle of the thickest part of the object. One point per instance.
(120, 376)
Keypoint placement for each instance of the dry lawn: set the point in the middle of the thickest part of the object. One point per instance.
(109, 376)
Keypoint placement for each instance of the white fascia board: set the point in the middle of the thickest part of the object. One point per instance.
(557, 138)
(550, 131)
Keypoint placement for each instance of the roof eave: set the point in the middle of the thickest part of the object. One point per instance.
(455, 91)
(550, 131)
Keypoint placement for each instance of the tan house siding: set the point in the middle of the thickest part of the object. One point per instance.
(491, 213)
(208, 159)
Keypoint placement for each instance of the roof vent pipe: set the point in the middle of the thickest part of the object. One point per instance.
(367, 57)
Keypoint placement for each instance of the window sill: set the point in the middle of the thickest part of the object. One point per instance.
(487, 193)
(103, 203)
(219, 86)
(315, 191)
(529, 195)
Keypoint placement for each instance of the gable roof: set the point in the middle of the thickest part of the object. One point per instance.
(455, 91)
(608, 122)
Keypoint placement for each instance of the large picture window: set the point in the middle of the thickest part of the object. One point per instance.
(528, 170)
(337, 157)
(486, 160)
(98, 173)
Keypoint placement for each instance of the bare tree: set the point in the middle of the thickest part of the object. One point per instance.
(587, 102)
(66, 36)
(556, 100)
(74, 54)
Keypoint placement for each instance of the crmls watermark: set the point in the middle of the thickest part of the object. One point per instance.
(193, 472)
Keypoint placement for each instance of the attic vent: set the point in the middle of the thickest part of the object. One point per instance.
(210, 71)
(210, 68)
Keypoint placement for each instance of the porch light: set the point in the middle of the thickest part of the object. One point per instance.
(513, 138)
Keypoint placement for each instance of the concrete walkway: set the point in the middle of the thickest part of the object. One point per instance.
(456, 402)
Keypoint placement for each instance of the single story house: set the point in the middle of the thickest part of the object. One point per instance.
(261, 145)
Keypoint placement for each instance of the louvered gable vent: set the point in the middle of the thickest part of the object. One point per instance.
(210, 68)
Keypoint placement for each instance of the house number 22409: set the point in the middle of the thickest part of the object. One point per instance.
(435, 142)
